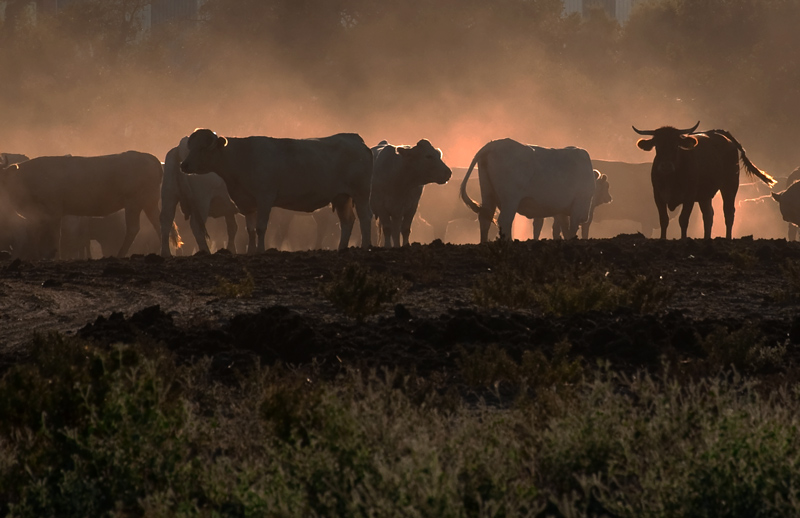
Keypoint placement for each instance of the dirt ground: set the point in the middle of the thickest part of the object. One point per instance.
(176, 301)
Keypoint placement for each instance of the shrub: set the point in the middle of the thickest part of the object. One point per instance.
(359, 292)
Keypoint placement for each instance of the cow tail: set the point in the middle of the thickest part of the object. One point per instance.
(751, 169)
(175, 236)
(469, 202)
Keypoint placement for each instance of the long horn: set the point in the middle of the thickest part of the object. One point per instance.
(691, 130)
(645, 132)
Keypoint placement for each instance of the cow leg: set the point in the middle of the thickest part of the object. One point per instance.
(152, 215)
(708, 218)
(250, 225)
(364, 221)
(262, 220)
(585, 227)
(394, 225)
(792, 232)
(486, 216)
(538, 223)
(729, 210)
(663, 218)
(131, 229)
(560, 223)
(683, 219)
(233, 227)
(405, 227)
(199, 234)
(347, 218)
(505, 220)
(166, 218)
(385, 226)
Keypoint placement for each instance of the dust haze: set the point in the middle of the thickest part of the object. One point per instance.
(458, 80)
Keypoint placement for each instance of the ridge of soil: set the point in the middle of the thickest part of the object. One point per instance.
(716, 283)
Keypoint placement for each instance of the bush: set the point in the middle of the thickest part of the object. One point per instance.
(359, 292)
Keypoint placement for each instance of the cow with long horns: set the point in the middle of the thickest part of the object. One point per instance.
(690, 168)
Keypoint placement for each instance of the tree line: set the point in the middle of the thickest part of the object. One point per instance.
(452, 67)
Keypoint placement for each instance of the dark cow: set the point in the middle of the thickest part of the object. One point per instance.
(789, 200)
(399, 175)
(691, 168)
(45, 189)
(295, 174)
(793, 178)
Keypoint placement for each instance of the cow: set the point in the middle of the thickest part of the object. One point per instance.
(690, 168)
(399, 175)
(13, 231)
(601, 196)
(199, 196)
(45, 189)
(789, 202)
(295, 174)
(534, 181)
(794, 177)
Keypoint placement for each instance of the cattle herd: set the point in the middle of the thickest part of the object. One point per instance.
(53, 207)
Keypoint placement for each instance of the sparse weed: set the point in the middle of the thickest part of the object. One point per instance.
(485, 367)
(790, 292)
(744, 349)
(359, 292)
(243, 289)
(743, 259)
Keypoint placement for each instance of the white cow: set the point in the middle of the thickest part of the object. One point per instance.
(45, 189)
(200, 197)
(399, 175)
(533, 181)
(295, 174)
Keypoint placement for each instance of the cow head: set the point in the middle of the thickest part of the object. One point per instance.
(669, 142)
(426, 163)
(601, 192)
(204, 147)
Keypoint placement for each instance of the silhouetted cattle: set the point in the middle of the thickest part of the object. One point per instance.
(302, 175)
(399, 175)
(530, 180)
(199, 196)
(601, 197)
(692, 168)
(789, 201)
(794, 177)
(44, 189)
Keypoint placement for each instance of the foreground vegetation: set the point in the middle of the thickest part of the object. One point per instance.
(91, 430)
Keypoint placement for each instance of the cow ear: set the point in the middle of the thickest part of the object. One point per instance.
(688, 142)
(777, 196)
(604, 178)
(645, 144)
